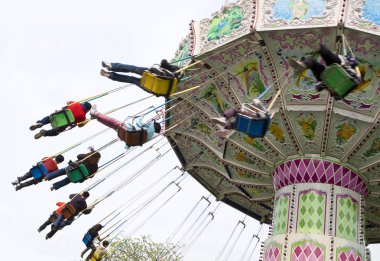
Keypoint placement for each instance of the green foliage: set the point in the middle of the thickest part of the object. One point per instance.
(142, 249)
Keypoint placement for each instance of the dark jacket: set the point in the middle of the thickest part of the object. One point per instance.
(89, 162)
(78, 202)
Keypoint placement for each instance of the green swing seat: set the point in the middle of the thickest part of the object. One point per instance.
(60, 119)
(338, 80)
(78, 174)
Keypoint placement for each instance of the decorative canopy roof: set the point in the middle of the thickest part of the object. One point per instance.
(247, 45)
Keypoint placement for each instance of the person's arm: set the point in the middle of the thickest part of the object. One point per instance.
(59, 204)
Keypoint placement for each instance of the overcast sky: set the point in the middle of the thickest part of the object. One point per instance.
(50, 52)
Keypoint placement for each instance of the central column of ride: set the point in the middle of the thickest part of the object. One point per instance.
(318, 213)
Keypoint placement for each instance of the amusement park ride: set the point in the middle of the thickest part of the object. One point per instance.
(314, 176)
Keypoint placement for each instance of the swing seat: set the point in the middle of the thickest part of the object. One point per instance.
(158, 85)
(62, 119)
(39, 171)
(132, 138)
(338, 80)
(87, 239)
(68, 212)
(254, 128)
(78, 174)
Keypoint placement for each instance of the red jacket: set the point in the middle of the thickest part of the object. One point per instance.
(77, 109)
(61, 206)
(50, 164)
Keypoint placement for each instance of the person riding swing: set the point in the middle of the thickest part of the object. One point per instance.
(340, 75)
(134, 133)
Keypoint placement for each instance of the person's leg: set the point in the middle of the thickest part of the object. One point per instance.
(51, 233)
(316, 67)
(119, 67)
(328, 56)
(228, 114)
(58, 221)
(55, 174)
(60, 184)
(44, 120)
(44, 225)
(107, 120)
(24, 177)
(27, 183)
(124, 78)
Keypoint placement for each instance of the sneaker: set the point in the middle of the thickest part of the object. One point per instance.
(52, 188)
(35, 126)
(18, 187)
(104, 73)
(93, 111)
(40, 134)
(40, 229)
(220, 121)
(222, 133)
(106, 65)
(298, 66)
(16, 182)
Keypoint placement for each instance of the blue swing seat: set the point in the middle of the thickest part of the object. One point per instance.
(39, 171)
(253, 127)
(87, 239)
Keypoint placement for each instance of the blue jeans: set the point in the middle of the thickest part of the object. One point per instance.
(59, 184)
(119, 67)
(56, 174)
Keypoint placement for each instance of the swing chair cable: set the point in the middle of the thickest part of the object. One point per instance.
(128, 180)
(235, 242)
(133, 214)
(121, 166)
(156, 210)
(258, 240)
(174, 233)
(228, 240)
(250, 242)
(80, 142)
(195, 237)
(96, 183)
(105, 93)
(120, 208)
(148, 202)
(136, 196)
(187, 233)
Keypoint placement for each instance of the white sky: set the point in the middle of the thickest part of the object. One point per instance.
(50, 52)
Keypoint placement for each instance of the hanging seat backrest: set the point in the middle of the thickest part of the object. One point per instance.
(132, 138)
(253, 127)
(87, 238)
(61, 119)
(158, 85)
(39, 171)
(68, 212)
(338, 80)
(78, 174)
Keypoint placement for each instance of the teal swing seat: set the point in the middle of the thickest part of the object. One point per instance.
(62, 119)
(338, 81)
(78, 174)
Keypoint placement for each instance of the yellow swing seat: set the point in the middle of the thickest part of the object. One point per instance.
(158, 85)
(132, 137)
